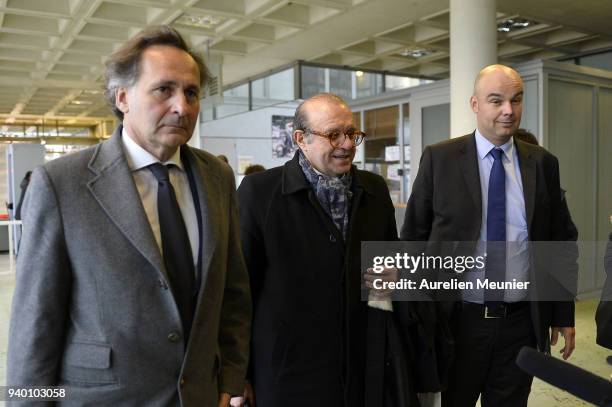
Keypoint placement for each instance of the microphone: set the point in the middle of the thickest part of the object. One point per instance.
(574, 380)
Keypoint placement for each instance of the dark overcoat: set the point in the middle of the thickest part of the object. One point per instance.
(308, 344)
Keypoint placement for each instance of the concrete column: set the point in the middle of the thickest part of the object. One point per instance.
(473, 44)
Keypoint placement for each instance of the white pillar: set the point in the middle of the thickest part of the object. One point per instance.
(473, 44)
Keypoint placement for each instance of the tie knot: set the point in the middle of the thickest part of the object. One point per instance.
(497, 153)
(160, 171)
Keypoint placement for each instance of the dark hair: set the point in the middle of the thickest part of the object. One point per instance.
(123, 65)
(252, 169)
(526, 137)
(300, 119)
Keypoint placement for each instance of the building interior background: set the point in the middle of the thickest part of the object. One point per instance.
(390, 59)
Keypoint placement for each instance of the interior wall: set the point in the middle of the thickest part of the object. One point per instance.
(529, 120)
(604, 175)
(247, 134)
(572, 135)
(435, 124)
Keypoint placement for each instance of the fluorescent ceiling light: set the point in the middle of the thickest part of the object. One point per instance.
(205, 21)
(513, 24)
(416, 52)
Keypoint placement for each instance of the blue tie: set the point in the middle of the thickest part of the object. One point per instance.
(496, 228)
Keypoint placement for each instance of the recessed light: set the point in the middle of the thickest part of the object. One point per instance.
(514, 24)
(201, 21)
(416, 52)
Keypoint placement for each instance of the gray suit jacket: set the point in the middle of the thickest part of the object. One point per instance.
(92, 309)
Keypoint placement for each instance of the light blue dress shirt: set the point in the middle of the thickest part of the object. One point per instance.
(517, 247)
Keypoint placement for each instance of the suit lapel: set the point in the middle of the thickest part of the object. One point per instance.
(469, 167)
(528, 177)
(114, 189)
(207, 184)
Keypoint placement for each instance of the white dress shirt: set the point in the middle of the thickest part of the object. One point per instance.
(138, 159)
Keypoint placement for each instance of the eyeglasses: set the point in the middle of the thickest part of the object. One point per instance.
(337, 138)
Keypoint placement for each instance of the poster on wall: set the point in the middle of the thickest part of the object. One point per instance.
(243, 162)
(282, 140)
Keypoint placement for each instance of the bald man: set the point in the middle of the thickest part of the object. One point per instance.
(499, 193)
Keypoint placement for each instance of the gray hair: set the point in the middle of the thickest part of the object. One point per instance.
(123, 65)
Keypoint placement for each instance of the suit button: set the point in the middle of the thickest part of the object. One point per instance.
(174, 337)
(162, 284)
(332, 238)
(182, 382)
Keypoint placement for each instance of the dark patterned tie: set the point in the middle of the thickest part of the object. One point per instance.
(176, 247)
(496, 229)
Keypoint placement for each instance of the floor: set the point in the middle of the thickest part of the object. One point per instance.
(587, 355)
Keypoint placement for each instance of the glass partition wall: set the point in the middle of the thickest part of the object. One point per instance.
(300, 81)
(382, 146)
(273, 89)
(387, 147)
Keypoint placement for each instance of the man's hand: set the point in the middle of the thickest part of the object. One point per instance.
(569, 334)
(224, 399)
(387, 275)
(247, 398)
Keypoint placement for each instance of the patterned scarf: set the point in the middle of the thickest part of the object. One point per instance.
(334, 193)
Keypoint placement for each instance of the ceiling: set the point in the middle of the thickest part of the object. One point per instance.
(52, 52)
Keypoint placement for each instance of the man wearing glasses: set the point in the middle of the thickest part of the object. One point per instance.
(302, 225)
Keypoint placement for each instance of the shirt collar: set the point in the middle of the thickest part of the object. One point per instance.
(484, 146)
(138, 157)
